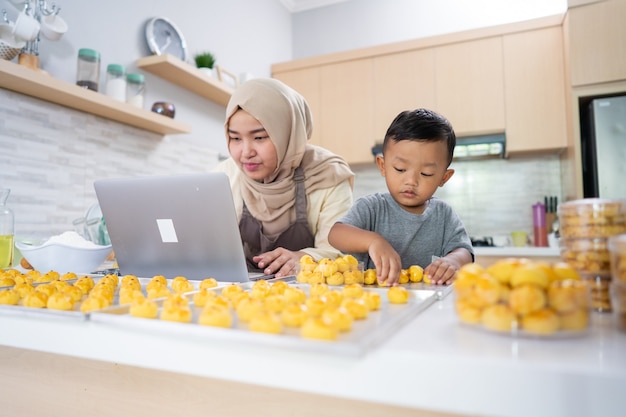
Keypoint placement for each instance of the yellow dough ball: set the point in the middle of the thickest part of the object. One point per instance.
(9, 297)
(307, 264)
(575, 320)
(266, 322)
(181, 285)
(487, 291)
(216, 316)
(229, 290)
(105, 291)
(335, 279)
(274, 303)
(467, 312)
(221, 300)
(303, 277)
(208, 283)
(426, 279)
(318, 328)
(278, 287)
(7, 282)
(249, 308)
(334, 298)
(144, 308)
(235, 299)
(527, 298)
(85, 284)
(353, 290)
(157, 281)
(35, 299)
(128, 294)
(175, 300)
(416, 273)
(318, 289)
(158, 291)
(24, 288)
(47, 289)
(327, 267)
(372, 299)
(202, 296)
(68, 276)
(293, 315)
(564, 271)
(60, 285)
(568, 295)
(404, 277)
(369, 277)
(530, 273)
(339, 317)
(357, 308)
(499, 317)
(315, 277)
(295, 295)
(94, 302)
(60, 301)
(544, 321)
(398, 295)
(75, 293)
(342, 265)
(316, 305)
(178, 313)
(129, 280)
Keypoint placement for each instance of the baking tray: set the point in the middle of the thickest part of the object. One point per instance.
(75, 313)
(365, 334)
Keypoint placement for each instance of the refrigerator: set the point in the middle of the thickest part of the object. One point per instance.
(603, 147)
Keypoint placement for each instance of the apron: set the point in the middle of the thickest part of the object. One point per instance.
(295, 237)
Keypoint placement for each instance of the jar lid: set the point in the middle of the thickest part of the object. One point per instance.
(89, 53)
(117, 69)
(135, 78)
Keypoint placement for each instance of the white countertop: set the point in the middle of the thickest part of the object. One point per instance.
(525, 251)
(432, 363)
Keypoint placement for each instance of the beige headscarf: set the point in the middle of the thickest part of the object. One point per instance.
(286, 117)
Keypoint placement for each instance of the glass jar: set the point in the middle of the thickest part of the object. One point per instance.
(88, 70)
(135, 89)
(116, 82)
(7, 224)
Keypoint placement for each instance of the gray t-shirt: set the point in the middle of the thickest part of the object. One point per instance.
(416, 237)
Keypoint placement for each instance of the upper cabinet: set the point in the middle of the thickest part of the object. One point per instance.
(187, 76)
(534, 81)
(596, 33)
(469, 85)
(38, 84)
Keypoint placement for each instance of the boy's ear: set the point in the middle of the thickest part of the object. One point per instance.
(449, 173)
(380, 161)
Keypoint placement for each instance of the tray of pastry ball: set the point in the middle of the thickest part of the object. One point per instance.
(282, 313)
(72, 296)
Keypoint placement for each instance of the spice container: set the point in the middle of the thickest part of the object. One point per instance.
(7, 225)
(88, 69)
(135, 89)
(116, 82)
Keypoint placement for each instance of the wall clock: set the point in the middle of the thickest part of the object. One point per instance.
(163, 37)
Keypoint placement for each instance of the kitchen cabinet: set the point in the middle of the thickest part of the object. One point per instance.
(38, 84)
(307, 82)
(402, 81)
(596, 37)
(534, 82)
(187, 76)
(469, 85)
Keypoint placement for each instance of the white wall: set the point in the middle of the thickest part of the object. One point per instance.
(358, 24)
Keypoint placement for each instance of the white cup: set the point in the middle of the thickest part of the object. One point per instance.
(501, 240)
(26, 27)
(53, 27)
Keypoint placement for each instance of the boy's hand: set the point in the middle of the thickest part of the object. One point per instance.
(441, 271)
(387, 261)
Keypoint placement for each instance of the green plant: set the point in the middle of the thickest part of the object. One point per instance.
(205, 60)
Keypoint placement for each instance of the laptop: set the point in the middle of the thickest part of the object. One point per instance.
(179, 225)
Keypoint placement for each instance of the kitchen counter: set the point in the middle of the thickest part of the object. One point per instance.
(433, 366)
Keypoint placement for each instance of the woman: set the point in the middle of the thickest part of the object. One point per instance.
(287, 193)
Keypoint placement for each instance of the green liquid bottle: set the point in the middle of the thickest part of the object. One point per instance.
(6, 230)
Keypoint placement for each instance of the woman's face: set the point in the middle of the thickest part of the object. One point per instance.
(250, 146)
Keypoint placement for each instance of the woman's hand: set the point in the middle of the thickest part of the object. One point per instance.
(280, 261)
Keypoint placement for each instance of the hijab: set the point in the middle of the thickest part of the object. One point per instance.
(286, 117)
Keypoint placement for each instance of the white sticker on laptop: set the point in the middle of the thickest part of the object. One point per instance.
(166, 228)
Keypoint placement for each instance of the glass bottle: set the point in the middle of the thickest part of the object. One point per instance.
(7, 224)
(135, 89)
(88, 69)
(116, 82)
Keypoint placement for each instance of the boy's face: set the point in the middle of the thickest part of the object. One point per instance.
(413, 170)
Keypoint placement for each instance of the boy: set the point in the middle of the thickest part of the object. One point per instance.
(408, 226)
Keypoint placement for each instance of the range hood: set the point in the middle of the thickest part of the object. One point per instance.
(480, 147)
(471, 147)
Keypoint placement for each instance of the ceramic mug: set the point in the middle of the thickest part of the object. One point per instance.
(53, 27)
(26, 27)
(519, 238)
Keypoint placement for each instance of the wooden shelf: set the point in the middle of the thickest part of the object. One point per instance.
(38, 84)
(187, 76)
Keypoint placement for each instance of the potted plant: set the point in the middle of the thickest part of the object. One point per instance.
(205, 62)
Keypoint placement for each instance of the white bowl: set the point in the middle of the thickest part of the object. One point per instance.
(64, 258)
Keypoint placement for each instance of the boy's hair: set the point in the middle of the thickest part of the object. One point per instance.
(421, 125)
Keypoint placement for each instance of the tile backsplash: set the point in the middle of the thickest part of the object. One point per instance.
(50, 155)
